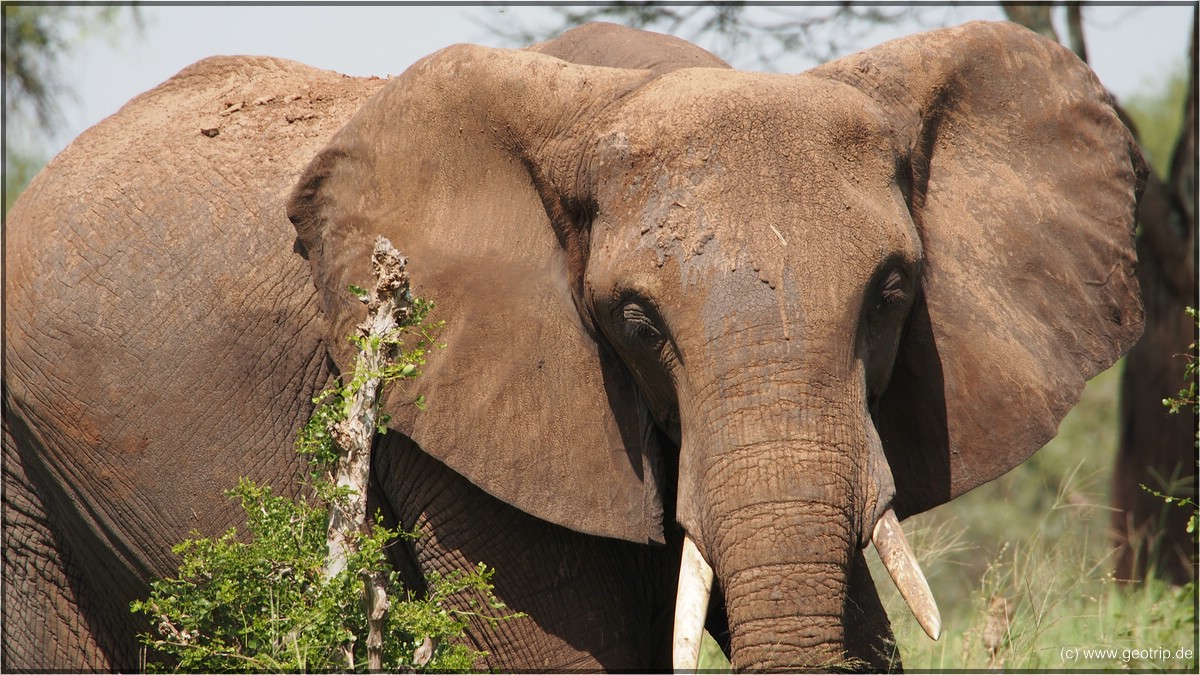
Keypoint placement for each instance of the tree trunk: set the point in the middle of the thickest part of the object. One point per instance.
(1034, 17)
(1158, 449)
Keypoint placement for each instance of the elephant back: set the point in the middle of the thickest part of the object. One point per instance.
(162, 339)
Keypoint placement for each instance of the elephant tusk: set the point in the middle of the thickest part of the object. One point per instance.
(691, 607)
(898, 558)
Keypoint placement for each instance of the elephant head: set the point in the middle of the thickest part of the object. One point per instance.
(773, 309)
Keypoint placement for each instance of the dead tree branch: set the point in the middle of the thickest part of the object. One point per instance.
(389, 307)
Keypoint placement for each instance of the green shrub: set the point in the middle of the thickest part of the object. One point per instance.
(264, 602)
(264, 605)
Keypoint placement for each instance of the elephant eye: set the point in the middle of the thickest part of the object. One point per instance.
(637, 324)
(891, 291)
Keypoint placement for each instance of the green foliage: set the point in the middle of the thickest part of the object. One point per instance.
(1184, 400)
(1181, 502)
(36, 37)
(19, 168)
(1187, 395)
(411, 343)
(1157, 112)
(262, 603)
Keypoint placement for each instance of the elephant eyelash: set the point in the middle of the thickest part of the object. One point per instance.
(636, 323)
(892, 296)
(891, 291)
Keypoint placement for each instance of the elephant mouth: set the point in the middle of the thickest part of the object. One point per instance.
(696, 580)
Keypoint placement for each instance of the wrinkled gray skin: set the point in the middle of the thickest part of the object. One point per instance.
(761, 309)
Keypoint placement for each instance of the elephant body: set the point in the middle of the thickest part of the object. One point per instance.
(686, 306)
(181, 266)
(161, 341)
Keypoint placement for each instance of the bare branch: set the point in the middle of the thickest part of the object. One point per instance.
(389, 307)
(731, 29)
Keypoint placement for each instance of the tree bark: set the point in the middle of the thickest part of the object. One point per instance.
(1075, 30)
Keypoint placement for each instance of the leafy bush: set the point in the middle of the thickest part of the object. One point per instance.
(264, 605)
(265, 602)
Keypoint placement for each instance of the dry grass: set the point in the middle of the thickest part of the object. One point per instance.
(1037, 538)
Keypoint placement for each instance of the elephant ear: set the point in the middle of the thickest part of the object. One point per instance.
(1023, 185)
(467, 162)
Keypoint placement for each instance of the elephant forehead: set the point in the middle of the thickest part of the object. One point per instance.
(767, 197)
(749, 158)
(698, 114)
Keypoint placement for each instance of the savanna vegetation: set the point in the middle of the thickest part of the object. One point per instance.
(1023, 567)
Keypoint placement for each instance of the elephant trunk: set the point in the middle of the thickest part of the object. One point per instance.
(782, 548)
(781, 491)
(786, 610)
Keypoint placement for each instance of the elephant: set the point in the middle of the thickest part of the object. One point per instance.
(708, 333)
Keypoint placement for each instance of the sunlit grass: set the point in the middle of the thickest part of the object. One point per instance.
(712, 659)
(1022, 568)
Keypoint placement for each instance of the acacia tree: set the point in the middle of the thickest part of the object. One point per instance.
(731, 29)
(1157, 450)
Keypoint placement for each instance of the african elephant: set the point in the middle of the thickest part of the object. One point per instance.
(741, 319)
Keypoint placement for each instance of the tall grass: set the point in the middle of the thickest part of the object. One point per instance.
(1022, 568)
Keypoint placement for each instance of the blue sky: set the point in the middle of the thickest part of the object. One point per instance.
(1130, 45)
